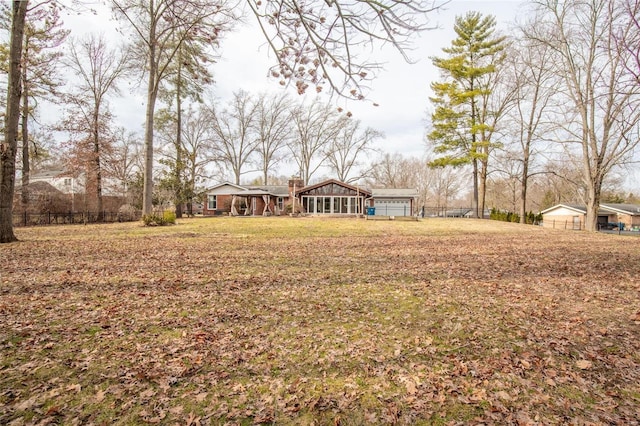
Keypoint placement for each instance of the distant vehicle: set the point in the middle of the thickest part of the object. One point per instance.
(612, 225)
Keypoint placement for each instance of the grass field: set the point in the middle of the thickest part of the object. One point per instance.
(319, 321)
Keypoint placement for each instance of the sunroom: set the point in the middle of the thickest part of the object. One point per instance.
(332, 197)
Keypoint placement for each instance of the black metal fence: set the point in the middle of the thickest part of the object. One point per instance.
(51, 218)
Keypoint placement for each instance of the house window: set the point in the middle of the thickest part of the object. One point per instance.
(212, 202)
(67, 181)
(280, 203)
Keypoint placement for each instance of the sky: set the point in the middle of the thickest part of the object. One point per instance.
(401, 89)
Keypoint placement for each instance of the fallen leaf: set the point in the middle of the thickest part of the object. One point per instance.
(504, 396)
(74, 387)
(411, 387)
(583, 364)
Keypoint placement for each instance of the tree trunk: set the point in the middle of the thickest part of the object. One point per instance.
(483, 186)
(593, 204)
(152, 93)
(524, 181)
(25, 142)
(474, 203)
(12, 118)
(178, 169)
(96, 162)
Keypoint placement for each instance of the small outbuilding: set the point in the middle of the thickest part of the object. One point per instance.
(393, 201)
(573, 216)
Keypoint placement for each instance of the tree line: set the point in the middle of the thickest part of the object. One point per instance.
(171, 43)
(561, 90)
(556, 97)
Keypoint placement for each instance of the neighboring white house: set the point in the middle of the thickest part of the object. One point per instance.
(67, 183)
(63, 181)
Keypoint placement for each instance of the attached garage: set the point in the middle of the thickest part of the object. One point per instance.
(393, 202)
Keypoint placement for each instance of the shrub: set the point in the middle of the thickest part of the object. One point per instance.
(156, 219)
(169, 217)
(128, 213)
(288, 209)
(531, 218)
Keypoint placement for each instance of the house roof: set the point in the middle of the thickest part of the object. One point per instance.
(575, 207)
(630, 209)
(275, 190)
(220, 185)
(363, 191)
(248, 192)
(48, 174)
(394, 193)
(605, 209)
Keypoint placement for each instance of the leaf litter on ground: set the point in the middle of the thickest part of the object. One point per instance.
(325, 321)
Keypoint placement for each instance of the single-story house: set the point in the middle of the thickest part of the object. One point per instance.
(330, 197)
(573, 216)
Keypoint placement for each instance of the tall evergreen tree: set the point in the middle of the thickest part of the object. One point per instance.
(460, 117)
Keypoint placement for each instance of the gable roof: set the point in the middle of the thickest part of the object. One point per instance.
(575, 207)
(362, 191)
(604, 209)
(234, 187)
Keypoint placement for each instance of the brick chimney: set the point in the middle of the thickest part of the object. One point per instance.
(297, 182)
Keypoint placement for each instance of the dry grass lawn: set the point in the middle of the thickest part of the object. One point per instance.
(319, 321)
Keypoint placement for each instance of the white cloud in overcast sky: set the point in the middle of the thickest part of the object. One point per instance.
(401, 89)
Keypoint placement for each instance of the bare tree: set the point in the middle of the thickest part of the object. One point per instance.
(443, 184)
(161, 27)
(532, 80)
(186, 166)
(345, 153)
(123, 160)
(197, 145)
(315, 127)
(393, 171)
(602, 115)
(12, 118)
(273, 128)
(234, 139)
(98, 68)
(630, 41)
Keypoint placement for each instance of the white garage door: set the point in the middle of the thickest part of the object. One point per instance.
(392, 207)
